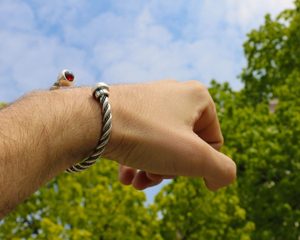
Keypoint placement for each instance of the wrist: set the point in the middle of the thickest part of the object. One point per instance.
(118, 125)
(77, 124)
(128, 123)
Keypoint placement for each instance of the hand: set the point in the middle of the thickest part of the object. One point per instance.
(139, 179)
(167, 129)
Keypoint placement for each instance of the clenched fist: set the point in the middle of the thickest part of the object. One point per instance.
(165, 129)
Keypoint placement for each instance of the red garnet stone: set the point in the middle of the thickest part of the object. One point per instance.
(69, 76)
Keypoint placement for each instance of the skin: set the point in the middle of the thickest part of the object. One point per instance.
(164, 129)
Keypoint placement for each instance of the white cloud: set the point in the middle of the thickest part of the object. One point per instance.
(124, 42)
(248, 14)
(16, 16)
(57, 11)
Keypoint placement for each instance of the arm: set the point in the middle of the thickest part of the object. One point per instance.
(40, 136)
(165, 128)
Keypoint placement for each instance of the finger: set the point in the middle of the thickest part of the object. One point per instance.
(217, 169)
(212, 134)
(141, 181)
(155, 177)
(126, 174)
(207, 127)
(220, 171)
(210, 185)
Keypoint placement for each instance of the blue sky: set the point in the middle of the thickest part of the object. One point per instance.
(122, 41)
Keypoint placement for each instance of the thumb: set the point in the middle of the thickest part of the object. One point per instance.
(218, 169)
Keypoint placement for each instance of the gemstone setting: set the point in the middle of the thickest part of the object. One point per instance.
(69, 76)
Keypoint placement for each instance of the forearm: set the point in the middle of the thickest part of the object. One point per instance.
(40, 136)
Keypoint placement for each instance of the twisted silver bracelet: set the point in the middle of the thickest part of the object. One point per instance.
(100, 93)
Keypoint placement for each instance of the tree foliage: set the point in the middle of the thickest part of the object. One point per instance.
(190, 211)
(89, 205)
(265, 146)
(2, 105)
(272, 54)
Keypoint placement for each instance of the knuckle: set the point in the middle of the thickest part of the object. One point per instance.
(169, 81)
(172, 80)
(199, 90)
(196, 85)
(211, 106)
(218, 145)
(221, 141)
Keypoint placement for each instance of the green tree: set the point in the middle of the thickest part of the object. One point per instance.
(265, 146)
(2, 105)
(190, 211)
(268, 148)
(272, 54)
(89, 205)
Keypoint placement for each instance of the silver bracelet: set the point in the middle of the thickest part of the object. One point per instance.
(100, 93)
